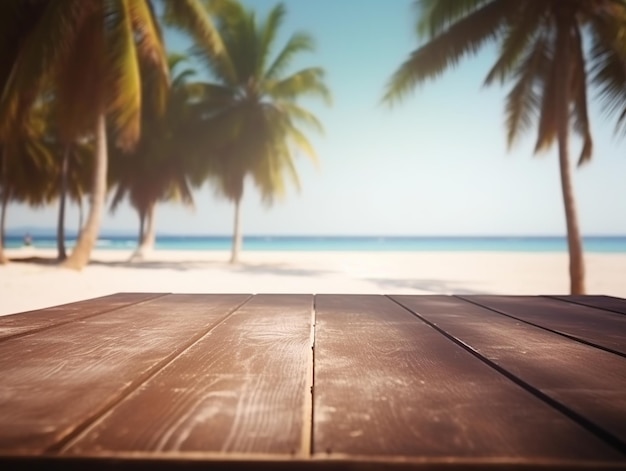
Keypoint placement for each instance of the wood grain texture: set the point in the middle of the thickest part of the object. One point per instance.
(608, 303)
(23, 323)
(586, 380)
(388, 384)
(599, 327)
(243, 388)
(57, 380)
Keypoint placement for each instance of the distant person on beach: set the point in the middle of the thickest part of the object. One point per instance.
(28, 240)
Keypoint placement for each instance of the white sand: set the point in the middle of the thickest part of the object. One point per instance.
(25, 286)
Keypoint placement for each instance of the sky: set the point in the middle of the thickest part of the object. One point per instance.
(435, 164)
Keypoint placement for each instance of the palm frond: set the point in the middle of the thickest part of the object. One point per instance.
(37, 57)
(464, 37)
(298, 114)
(125, 98)
(523, 101)
(191, 17)
(304, 82)
(297, 43)
(607, 56)
(81, 86)
(518, 35)
(119, 194)
(437, 15)
(150, 48)
(548, 116)
(579, 95)
(267, 35)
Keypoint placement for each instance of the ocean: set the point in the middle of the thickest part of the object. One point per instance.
(604, 244)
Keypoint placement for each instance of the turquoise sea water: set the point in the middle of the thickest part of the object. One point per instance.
(612, 244)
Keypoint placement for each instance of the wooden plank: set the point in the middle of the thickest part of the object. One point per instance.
(388, 384)
(608, 303)
(31, 321)
(56, 381)
(209, 461)
(244, 388)
(587, 383)
(602, 328)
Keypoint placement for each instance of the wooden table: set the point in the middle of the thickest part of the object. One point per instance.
(182, 381)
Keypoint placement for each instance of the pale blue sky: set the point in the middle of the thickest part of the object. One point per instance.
(436, 164)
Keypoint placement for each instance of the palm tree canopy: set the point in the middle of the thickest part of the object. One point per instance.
(526, 34)
(28, 159)
(157, 168)
(252, 105)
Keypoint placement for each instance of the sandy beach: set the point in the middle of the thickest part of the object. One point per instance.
(28, 285)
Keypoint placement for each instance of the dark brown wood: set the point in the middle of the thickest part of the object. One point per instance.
(586, 382)
(56, 381)
(243, 388)
(386, 384)
(603, 328)
(608, 303)
(402, 382)
(26, 322)
(223, 461)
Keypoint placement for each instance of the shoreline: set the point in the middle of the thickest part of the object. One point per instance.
(27, 285)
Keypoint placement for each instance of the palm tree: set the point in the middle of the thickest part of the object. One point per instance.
(157, 170)
(543, 53)
(250, 108)
(89, 50)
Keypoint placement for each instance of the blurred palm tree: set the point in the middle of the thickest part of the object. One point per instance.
(550, 51)
(88, 52)
(27, 161)
(158, 168)
(250, 109)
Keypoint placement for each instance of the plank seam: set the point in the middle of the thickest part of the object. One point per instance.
(64, 443)
(307, 422)
(311, 402)
(81, 318)
(580, 303)
(587, 424)
(547, 329)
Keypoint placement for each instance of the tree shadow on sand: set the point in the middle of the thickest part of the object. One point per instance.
(277, 269)
(389, 285)
(380, 285)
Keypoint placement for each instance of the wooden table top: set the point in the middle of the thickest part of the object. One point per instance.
(173, 381)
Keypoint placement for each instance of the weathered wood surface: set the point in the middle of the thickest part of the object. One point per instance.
(244, 387)
(587, 383)
(400, 382)
(608, 303)
(20, 324)
(388, 384)
(56, 381)
(602, 328)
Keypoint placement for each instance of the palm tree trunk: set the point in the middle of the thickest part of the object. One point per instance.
(80, 215)
(142, 225)
(574, 241)
(62, 255)
(237, 236)
(5, 202)
(89, 233)
(148, 236)
(3, 214)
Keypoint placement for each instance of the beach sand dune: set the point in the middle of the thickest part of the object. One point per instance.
(34, 284)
